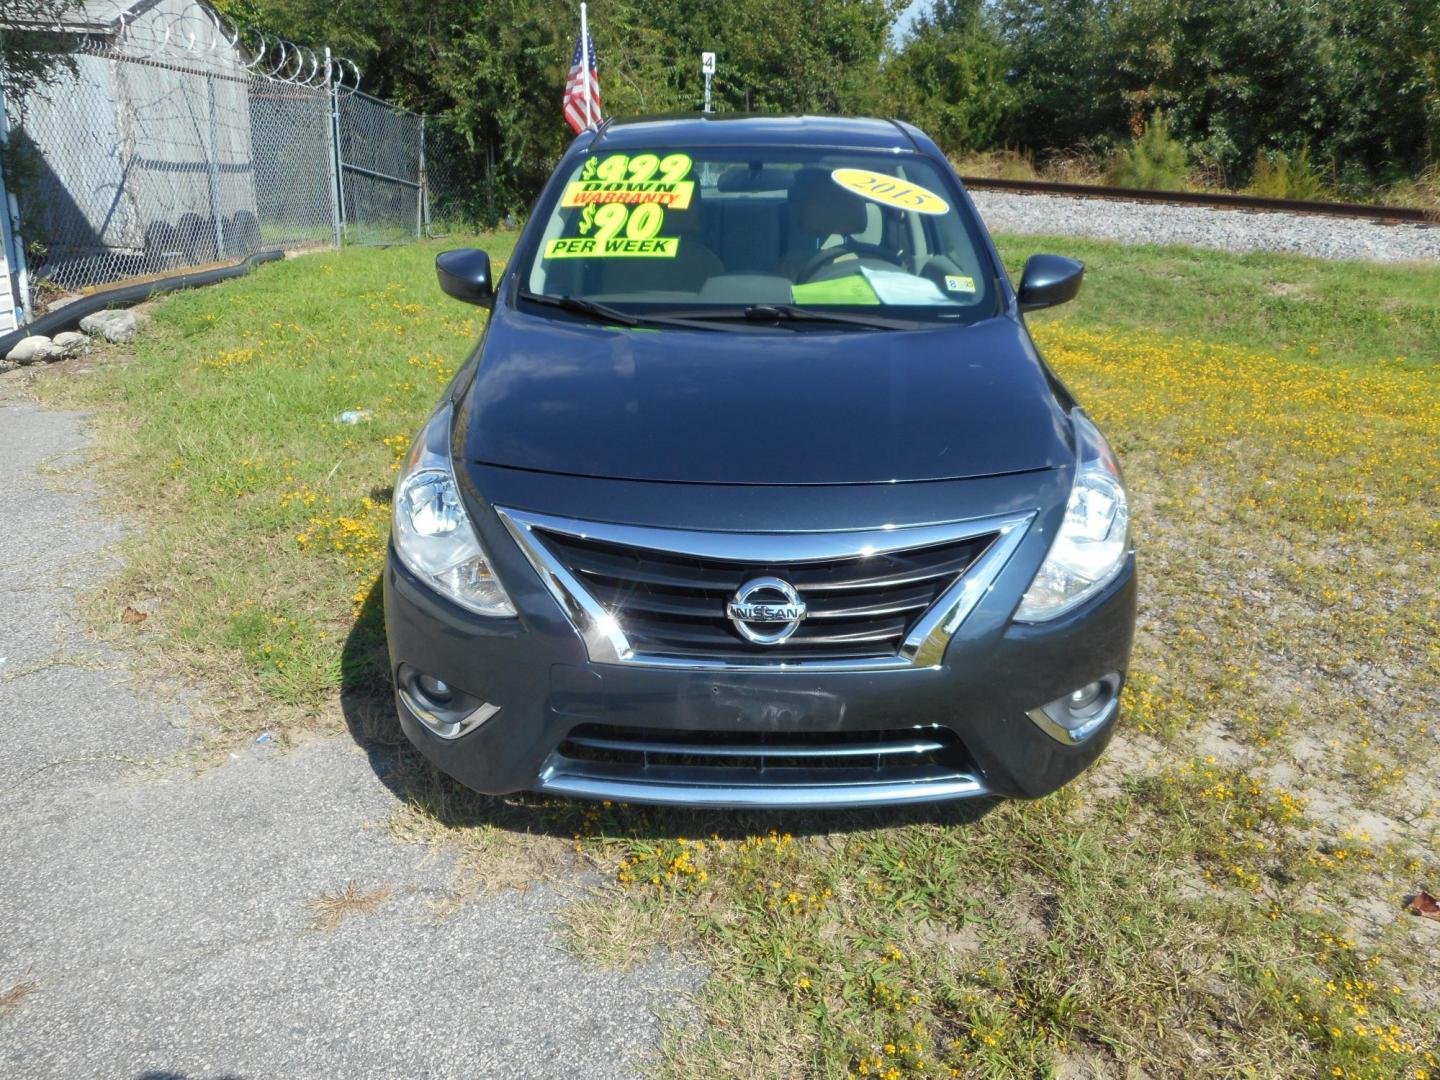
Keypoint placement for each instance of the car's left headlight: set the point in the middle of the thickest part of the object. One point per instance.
(431, 531)
(1094, 537)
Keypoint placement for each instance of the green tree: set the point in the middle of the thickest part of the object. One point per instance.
(1153, 159)
(1383, 77)
(1358, 81)
(1063, 56)
(29, 58)
(495, 69)
(949, 77)
(1233, 76)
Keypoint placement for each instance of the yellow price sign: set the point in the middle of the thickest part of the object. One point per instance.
(880, 188)
(616, 247)
(644, 178)
(600, 229)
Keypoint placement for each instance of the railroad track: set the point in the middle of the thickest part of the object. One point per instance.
(1384, 215)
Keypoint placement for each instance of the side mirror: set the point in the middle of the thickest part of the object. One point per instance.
(465, 275)
(1049, 280)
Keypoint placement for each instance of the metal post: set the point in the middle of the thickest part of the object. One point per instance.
(332, 147)
(422, 194)
(16, 302)
(707, 68)
(217, 213)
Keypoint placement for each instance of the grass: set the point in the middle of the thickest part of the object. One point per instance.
(1291, 308)
(264, 514)
(1223, 895)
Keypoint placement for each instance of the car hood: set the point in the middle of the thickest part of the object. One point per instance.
(801, 407)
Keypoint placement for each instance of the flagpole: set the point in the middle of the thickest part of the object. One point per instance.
(585, 64)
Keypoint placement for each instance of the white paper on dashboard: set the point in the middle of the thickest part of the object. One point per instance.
(898, 287)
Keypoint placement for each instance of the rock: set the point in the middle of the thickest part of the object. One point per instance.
(71, 343)
(33, 349)
(116, 326)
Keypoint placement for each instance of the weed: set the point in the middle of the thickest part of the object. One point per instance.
(331, 909)
(1279, 175)
(1000, 164)
(11, 998)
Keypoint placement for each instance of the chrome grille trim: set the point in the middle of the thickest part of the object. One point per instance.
(909, 747)
(924, 645)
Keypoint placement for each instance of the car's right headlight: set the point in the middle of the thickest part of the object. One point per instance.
(431, 531)
(1094, 537)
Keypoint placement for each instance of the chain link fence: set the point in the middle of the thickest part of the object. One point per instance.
(459, 188)
(152, 160)
(382, 154)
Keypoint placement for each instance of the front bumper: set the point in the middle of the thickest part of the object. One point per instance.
(535, 669)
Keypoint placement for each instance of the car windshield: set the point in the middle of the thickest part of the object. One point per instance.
(790, 231)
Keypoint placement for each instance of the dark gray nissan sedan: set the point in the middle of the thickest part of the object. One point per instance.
(756, 491)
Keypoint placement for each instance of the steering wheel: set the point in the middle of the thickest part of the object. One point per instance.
(826, 256)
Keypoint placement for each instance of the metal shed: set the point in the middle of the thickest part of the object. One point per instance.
(141, 159)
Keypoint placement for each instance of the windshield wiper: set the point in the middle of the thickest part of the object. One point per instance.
(607, 314)
(793, 313)
(603, 312)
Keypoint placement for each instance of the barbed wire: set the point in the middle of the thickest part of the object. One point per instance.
(201, 35)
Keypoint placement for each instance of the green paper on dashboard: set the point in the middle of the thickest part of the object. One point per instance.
(850, 289)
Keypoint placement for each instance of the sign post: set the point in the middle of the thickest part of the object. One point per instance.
(14, 286)
(707, 68)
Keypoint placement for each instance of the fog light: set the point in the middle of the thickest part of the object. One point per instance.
(434, 689)
(1086, 696)
(446, 711)
(1081, 713)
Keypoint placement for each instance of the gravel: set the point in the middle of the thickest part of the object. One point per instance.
(1198, 226)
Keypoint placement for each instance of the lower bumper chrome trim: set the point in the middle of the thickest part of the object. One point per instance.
(760, 796)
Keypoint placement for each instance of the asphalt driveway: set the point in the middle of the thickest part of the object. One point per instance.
(155, 923)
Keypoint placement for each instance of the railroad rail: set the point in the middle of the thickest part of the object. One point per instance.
(1387, 215)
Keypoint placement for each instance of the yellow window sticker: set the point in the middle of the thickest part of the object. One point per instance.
(881, 188)
(959, 283)
(620, 247)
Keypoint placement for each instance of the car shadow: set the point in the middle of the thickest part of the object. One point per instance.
(367, 700)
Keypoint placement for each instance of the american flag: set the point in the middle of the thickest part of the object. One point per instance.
(584, 79)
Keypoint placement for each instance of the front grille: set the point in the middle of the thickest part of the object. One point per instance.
(929, 754)
(674, 604)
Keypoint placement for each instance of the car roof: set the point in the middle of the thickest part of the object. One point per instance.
(745, 129)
